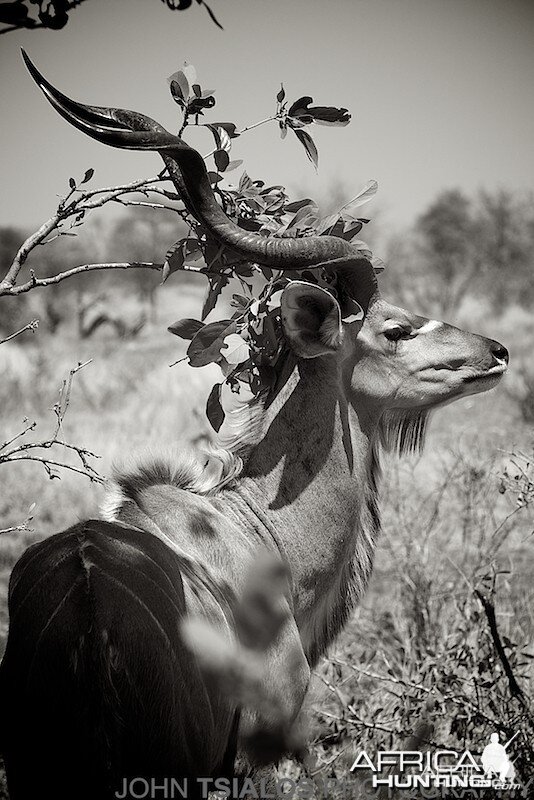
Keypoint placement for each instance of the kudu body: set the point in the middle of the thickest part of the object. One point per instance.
(97, 684)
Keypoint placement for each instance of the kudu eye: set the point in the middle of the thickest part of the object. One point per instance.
(396, 332)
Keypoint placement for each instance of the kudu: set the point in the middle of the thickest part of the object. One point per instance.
(97, 683)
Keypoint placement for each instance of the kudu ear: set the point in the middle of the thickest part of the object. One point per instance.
(311, 319)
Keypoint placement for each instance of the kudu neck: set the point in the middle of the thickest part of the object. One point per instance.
(311, 431)
(313, 474)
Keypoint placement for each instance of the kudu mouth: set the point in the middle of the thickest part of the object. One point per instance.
(117, 127)
(492, 373)
(497, 367)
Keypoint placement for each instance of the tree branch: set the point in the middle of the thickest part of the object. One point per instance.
(25, 451)
(35, 282)
(75, 209)
(31, 326)
(22, 526)
(489, 610)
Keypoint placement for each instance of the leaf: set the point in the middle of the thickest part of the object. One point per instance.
(363, 247)
(309, 146)
(274, 300)
(165, 272)
(351, 228)
(174, 259)
(72, 183)
(368, 191)
(300, 106)
(280, 97)
(305, 212)
(244, 182)
(214, 177)
(205, 347)
(88, 175)
(221, 136)
(235, 349)
(357, 313)
(196, 104)
(214, 409)
(176, 256)
(186, 328)
(180, 88)
(327, 223)
(298, 204)
(378, 264)
(299, 122)
(229, 127)
(329, 115)
(211, 14)
(216, 285)
(234, 164)
(239, 301)
(222, 159)
(190, 73)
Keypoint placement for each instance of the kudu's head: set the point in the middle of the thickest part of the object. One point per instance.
(394, 365)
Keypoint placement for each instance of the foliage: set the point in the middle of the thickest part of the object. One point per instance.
(54, 14)
(439, 656)
(248, 346)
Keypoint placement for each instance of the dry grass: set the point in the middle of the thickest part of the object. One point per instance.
(443, 521)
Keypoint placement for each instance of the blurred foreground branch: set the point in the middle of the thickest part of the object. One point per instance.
(54, 14)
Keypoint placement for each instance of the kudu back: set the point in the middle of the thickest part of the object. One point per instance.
(139, 646)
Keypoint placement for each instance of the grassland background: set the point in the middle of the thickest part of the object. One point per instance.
(440, 510)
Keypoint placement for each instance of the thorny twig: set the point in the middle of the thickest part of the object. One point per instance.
(25, 451)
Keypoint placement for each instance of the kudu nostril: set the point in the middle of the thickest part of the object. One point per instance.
(500, 352)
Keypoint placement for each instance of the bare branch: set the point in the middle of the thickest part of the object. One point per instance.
(22, 526)
(72, 210)
(489, 610)
(30, 427)
(31, 326)
(35, 282)
(49, 463)
(29, 451)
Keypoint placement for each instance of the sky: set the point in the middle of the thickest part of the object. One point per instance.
(440, 93)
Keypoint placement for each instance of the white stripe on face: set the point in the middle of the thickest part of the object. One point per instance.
(431, 325)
